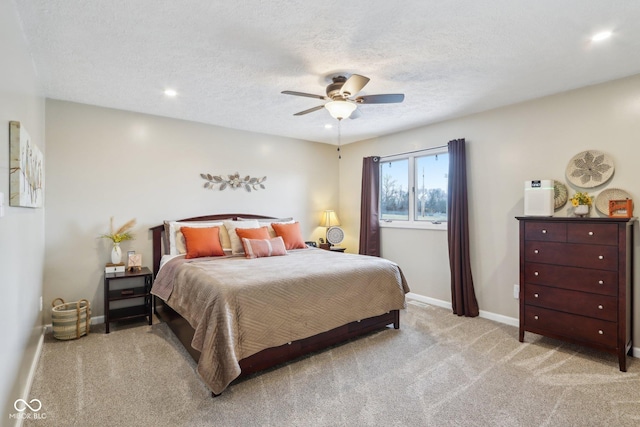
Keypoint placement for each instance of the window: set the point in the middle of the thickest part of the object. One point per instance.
(413, 190)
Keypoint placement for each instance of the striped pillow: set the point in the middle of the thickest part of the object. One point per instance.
(259, 248)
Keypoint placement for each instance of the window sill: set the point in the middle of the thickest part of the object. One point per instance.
(414, 225)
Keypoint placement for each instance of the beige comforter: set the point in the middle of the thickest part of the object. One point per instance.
(240, 306)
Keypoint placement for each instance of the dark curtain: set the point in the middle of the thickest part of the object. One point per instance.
(369, 216)
(463, 297)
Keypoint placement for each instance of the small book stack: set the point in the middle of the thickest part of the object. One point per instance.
(114, 268)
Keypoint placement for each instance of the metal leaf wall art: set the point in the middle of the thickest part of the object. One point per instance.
(233, 181)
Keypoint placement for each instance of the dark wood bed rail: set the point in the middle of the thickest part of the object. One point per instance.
(274, 356)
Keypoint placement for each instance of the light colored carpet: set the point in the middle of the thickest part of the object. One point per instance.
(437, 370)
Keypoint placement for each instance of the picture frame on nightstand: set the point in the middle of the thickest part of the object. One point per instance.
(134, 262)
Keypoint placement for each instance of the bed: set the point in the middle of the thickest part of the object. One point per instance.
(237, 316)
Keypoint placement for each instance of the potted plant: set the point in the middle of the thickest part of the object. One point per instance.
(116, 236)
(581, 203)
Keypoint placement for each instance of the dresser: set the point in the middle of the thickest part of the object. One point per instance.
(575, 281)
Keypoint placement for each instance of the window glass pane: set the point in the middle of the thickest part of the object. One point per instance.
(431, 175)
(394, 190)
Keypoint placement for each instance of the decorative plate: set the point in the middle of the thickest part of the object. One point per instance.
(589, 169)
(560, 195)
(335, 235)
(602, 200)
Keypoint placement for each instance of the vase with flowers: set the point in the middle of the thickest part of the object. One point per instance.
(116, 236)
(581, 203)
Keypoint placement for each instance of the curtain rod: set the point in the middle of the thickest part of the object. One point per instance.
(414, 151)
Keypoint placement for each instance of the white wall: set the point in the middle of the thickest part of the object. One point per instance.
(103, 162)
(21, 229)
(505, 147)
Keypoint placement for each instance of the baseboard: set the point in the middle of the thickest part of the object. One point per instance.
(94, 321)
(32, 374)
(428, 300)
(512, 321)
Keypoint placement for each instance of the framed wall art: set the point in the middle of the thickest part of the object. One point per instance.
(26, 169)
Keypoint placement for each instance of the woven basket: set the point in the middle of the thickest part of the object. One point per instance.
(70, 320)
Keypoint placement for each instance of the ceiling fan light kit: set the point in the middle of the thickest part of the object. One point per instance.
(340, 109)
(341, 92)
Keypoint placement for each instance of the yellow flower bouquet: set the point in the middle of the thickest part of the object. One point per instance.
(122, 233)
(581, 199)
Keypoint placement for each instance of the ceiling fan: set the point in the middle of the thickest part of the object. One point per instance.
(341, 95)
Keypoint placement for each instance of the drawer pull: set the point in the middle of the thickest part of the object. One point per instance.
(535, 295)
(601, 257)
(535, 251)
(600, 282)
(535, 273)
(544, 231)
(591, 233)
(535, 317)
(600, 307)
(600, 332)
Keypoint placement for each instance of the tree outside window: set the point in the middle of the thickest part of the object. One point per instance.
(425, 200)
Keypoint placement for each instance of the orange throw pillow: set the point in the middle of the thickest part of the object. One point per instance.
(291, 235)
(252, 233)
(202, 242)
(258, 248)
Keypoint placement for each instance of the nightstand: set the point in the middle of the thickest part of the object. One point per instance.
(328, 247)
(137, 290)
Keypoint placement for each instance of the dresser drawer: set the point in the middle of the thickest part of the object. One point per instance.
(574, 255)
(594, 234)
(596, 331)
(578, 279)
(545, 231)
(585, 304)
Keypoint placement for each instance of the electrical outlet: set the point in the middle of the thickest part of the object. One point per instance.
(516, 291)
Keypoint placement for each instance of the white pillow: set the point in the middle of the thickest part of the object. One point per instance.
(176, 239)
(268, 222)
(236, 243)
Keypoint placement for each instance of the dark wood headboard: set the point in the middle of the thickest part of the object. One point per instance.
(158, 232)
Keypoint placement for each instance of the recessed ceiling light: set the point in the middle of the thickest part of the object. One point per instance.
(170, 93)
(328, 126)
(601, 36)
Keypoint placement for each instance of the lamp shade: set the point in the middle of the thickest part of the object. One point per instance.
(329, 219)
(340, 109)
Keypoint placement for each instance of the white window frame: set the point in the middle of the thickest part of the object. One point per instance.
(411, 222)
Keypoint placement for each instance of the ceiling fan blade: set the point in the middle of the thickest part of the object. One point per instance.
(310, 110)
(389, 98)
(308, 95)
(353, 85)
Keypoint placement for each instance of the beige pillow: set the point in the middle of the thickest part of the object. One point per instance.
(236, 243)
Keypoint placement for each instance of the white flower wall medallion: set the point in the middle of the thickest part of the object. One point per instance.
(233, 181)
(589, 169)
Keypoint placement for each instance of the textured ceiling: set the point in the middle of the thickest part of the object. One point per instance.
(229, 60)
